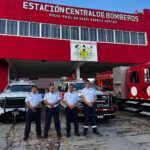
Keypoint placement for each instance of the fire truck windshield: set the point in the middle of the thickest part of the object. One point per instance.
(18, 88)
(80, 86)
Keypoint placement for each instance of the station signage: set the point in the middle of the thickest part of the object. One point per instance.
(59, 11)
(83, 51)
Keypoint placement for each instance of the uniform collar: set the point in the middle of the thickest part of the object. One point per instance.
(33, 93)
(52, 93)
(87, 88)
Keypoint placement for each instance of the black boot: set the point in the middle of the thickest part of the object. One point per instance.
(77, 133)
(95, 131)
(68, 135)
(25, 138)
(85, 131)
(45, 136)
(59, 134)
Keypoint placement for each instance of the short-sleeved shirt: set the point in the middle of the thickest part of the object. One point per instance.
(34, 99)
(52, 98)
(71, 97)
(89, 94)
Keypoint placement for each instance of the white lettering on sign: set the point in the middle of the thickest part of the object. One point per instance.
(83, 51)
(79, 12)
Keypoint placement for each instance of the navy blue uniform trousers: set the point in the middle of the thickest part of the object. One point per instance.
(33, 116)
(49, 113)
(89, 111)
(72, 115)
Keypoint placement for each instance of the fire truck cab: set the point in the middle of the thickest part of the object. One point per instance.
(132, 87)
(138, 82)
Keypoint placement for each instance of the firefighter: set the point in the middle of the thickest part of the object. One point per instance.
(33, 102)
(71, 100)
(52, 100)
(89, 98)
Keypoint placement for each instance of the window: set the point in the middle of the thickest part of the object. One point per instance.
(34, 29)
(84, 34)
(126, 37)
(46, 30)
(2, 26)
(147, 75)
(24, 28)
(93, 35)
(134, 77)
(18, 88)
(141, 37)
(119, 36)
(110, 35)
(134, 38)
(101, 35)
(55, 31)
(75, 33)
(12, 27)
(65, 32)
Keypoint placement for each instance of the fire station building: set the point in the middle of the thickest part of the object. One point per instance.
(45, 40)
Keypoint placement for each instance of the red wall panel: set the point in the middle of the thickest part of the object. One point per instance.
(12, 47)
(3, 75)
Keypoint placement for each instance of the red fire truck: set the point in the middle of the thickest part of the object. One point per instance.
(104, 80)
(131, 86)
(106, 105)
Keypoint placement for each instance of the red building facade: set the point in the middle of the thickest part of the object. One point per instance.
(37, 31)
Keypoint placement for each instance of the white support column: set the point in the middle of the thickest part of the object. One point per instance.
(77, 70)
(78, 73)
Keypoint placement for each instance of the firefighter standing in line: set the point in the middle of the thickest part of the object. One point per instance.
(89, 98)
(52, 100)
(33, 102)
(71, 100)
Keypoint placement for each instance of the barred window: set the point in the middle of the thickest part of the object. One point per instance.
(12, 27)
(34, 29)
(55, 31)
(75, 33)
(2, 26)
(141, 37)
(101, 35)
(110, 35)
(84, 34)
(46, 30)
(134, 38)
(65, 32)
(93, 34)
(24, 28)
(119, 36)
(126, 37)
